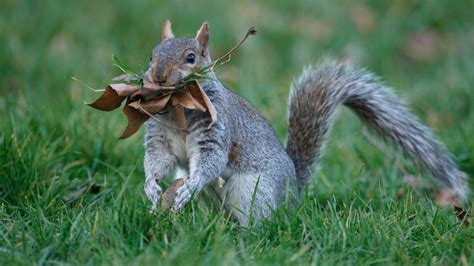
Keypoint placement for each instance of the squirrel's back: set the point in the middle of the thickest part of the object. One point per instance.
(258, 143)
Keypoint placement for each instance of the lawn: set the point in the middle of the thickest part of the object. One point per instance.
(72, 193)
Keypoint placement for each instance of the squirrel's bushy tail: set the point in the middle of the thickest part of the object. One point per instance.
(317, 94)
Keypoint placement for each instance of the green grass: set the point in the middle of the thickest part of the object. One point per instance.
(360, 212)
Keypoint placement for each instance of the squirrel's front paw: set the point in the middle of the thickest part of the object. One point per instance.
(153, 192)
(184, 194)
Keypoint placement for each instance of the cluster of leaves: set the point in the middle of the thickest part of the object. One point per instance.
(143, 102)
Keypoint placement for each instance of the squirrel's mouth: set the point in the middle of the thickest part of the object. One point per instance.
(173, 79)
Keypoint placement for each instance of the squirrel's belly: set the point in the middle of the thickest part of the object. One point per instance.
(178, 147)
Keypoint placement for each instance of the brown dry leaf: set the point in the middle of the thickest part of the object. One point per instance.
(135, 120)
(152, 106)
(125, 89)
(198, 93)
(169, 195)
(195, 102)
(113, 96)
(108, 101)
(181, 119)
(182, 99)
(152, 91)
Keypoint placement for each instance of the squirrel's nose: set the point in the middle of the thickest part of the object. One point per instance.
(160, 75)
(156, 76)
(162, 79)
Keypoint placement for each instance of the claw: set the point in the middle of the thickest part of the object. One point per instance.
(153, 192)
(183, 195)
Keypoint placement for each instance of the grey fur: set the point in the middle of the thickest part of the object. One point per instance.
(243, 149)
(315, 98)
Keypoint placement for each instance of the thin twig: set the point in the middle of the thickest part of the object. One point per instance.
(121, 68)
(251, 31)
(85, 85)
(200, 73)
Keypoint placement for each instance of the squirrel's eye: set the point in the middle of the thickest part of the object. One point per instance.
(190, 58)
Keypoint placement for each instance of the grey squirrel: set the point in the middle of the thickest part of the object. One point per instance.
(243, 149)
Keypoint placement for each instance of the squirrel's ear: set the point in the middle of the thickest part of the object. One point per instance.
(202, 35)
(167, 33)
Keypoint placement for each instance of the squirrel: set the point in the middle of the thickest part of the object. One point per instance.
(243, 149)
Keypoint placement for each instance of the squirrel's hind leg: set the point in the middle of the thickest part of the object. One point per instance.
(249, 196)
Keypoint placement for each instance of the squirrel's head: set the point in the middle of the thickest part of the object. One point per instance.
(174, 58)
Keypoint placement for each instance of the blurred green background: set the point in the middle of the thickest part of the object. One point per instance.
(62, 167)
